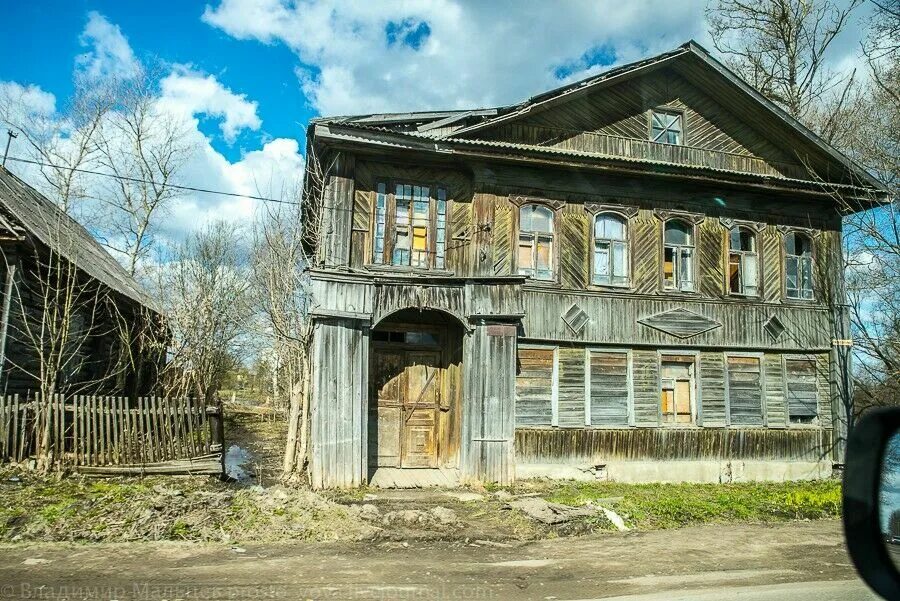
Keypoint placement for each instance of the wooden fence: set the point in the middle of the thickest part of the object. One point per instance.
(112, 435)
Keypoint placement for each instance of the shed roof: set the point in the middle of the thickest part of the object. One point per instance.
(39, 217)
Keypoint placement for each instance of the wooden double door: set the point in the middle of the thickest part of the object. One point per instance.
(410, 406)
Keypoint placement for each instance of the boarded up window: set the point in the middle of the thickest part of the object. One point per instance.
(609, 394)
(534, 387)
(801, 390)
(677, 389)
(745, 391)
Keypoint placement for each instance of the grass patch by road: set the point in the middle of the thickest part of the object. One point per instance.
(652, 506)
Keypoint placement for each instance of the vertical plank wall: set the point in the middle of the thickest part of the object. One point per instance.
(489, 364)
(338, 407)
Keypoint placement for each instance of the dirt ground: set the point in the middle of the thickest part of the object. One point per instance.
(704, 558)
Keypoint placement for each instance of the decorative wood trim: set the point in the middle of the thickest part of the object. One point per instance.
(595, 208)
(521, 200)
(692, 218)
(756, 226)
(811, 232)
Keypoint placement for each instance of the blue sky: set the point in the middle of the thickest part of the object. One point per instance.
(251, 73)
(45, 51)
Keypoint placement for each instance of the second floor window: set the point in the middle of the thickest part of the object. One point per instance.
(798, 266)
(743, 262)
(535, 256)
(610, 251)
(666, 127)
(410, 226)
(678, 256)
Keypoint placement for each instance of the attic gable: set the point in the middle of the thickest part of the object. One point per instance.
(616, 121)
(728, 125)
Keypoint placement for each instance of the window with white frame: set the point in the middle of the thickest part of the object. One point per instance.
(678, 256)
(410, 226)
(743, 262)
(610, 265)
(798, 266)
(666, 127)
(535, 256)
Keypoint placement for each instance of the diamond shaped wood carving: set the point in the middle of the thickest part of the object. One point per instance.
(680, 323)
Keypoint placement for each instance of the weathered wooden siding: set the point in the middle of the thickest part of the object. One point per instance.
(645, 370)
(711, 249)
(596, 446)
(337, 213)
(573, 249)
(615, 121)
(776, 416)
(489, 358)
(713, 405)
(614, 320)
(571, 387)
(339, 402)
(646, 251)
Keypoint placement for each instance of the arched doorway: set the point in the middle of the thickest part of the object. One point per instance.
(415, 391)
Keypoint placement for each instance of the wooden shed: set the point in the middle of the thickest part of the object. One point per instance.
(633, 277)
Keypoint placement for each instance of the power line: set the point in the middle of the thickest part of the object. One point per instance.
(155, 183)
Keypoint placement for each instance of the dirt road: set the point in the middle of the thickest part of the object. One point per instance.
(711, 560)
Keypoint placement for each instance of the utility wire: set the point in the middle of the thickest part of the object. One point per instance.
(147, 181)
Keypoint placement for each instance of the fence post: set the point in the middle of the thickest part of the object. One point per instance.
(217, 430)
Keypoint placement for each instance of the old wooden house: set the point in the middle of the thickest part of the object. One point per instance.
(634, 277)
(71, 315)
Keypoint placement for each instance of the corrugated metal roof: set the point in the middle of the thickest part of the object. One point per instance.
(580, 154)
(41, 218)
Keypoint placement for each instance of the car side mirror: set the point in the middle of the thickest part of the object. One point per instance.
(871, 499)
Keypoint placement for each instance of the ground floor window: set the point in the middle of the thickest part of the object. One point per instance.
(745, 390)
(677, 382)
(608, 388)
(801, 390)
(536, 387)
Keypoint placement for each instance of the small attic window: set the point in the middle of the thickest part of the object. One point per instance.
(666, 127)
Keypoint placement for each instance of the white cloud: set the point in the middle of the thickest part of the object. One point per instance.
(29, 99)
(378, 56)
(188, 93)
(109, 52)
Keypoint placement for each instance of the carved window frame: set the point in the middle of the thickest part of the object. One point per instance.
(626, 214)
(693, 220)
(757, 228)
(390, 227)
(811, 235)
(555, 207)
(696, 390)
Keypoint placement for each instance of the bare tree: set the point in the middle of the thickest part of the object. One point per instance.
(145, 148)
(285, 238)
(780, 47)
(65, 143)
(205, 292)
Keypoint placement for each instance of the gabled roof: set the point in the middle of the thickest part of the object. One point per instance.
(34, 214)
(462, 127)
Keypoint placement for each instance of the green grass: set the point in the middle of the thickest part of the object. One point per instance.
(651, 506)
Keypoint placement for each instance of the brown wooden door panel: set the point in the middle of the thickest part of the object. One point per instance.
(404, 417)
(418, 438)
